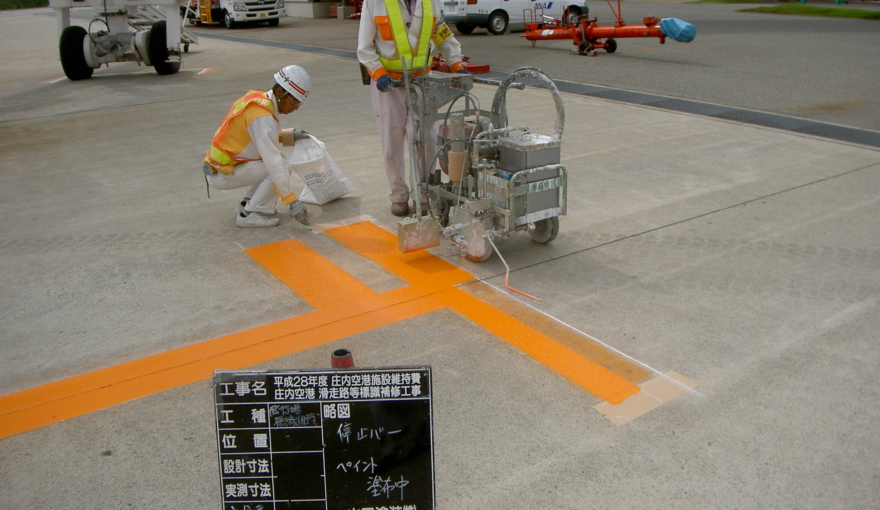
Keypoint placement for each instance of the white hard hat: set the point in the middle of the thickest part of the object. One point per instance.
(295, 80)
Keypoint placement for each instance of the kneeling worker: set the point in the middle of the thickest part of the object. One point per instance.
(246, 150)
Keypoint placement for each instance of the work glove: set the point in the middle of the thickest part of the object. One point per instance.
(299, 211)
(384, 83)
(463, 71)
(299, 134)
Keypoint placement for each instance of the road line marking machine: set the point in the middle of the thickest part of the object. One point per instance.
(501, 179)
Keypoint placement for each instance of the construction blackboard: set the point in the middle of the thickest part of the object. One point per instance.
(352, 439)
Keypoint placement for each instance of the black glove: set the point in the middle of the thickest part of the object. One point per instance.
(299, 134)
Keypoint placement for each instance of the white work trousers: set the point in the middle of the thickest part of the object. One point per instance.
(262, 193)
(394, 118)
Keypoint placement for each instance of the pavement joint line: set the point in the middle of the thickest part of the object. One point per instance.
(709, 213)
(756, 118)
(201, 70)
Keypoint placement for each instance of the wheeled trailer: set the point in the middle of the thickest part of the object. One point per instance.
(589, 36)
(120, 31)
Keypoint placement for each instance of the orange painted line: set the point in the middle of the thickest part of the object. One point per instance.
(318, 281)
(76, 396)
(432, 274)
(188, 354)
(582, 371)
(585, 346)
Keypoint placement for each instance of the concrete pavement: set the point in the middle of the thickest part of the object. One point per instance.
(744, 258)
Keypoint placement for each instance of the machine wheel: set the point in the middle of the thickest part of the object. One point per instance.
(610, 45)
(73, 58)
(464, 28)
(545, 230)
(585, 47)
(497, 23)
(186, 47)
(571, 15)
(158, 51)
(274, 22)
(228, 21)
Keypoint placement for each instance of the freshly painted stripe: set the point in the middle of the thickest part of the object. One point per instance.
(585, 346)
(431, 274)
(79, 395)
(318, 281)
(435, 285)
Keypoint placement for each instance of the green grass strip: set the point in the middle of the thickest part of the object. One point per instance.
(812, 10)
(729, 2)
(10, 5)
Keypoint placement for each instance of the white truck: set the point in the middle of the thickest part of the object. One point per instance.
(499, 15)
(234, 13)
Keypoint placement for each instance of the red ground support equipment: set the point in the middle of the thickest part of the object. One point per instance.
(588, 36)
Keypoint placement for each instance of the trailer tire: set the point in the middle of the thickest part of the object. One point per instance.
(610, 45)
(228, 20)
(545, 230)
(571, 15)
(585, 47)
(464, 28)
(497, 23)
(73, 58)
(159, 51)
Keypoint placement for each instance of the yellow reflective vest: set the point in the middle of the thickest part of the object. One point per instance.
(384, 37)
(232, 136)
(398, 32)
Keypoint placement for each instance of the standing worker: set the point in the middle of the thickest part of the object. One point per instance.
(390, 29)
(246, 150)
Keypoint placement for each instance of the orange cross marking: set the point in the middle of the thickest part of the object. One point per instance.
(343, 307)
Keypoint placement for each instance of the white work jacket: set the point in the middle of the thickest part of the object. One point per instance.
(372, 42)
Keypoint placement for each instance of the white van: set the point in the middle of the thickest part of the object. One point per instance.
(499, 15)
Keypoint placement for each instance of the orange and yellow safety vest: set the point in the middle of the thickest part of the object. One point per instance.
(232, 136)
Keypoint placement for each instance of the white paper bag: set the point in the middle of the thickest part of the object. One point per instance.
(324, 181)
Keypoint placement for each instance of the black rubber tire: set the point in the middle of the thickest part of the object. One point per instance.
(545, 230)
(610, 45)
(73, 58)
(585, 47)
(497, 23)
(158, 51)
(464, 28)
(228, 22)
(570, 16)
(274, 22)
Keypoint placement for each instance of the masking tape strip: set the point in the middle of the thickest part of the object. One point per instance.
(318, 229)
(653, 394)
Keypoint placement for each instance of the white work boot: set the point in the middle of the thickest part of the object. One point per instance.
(255, 219)
(268, 210)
